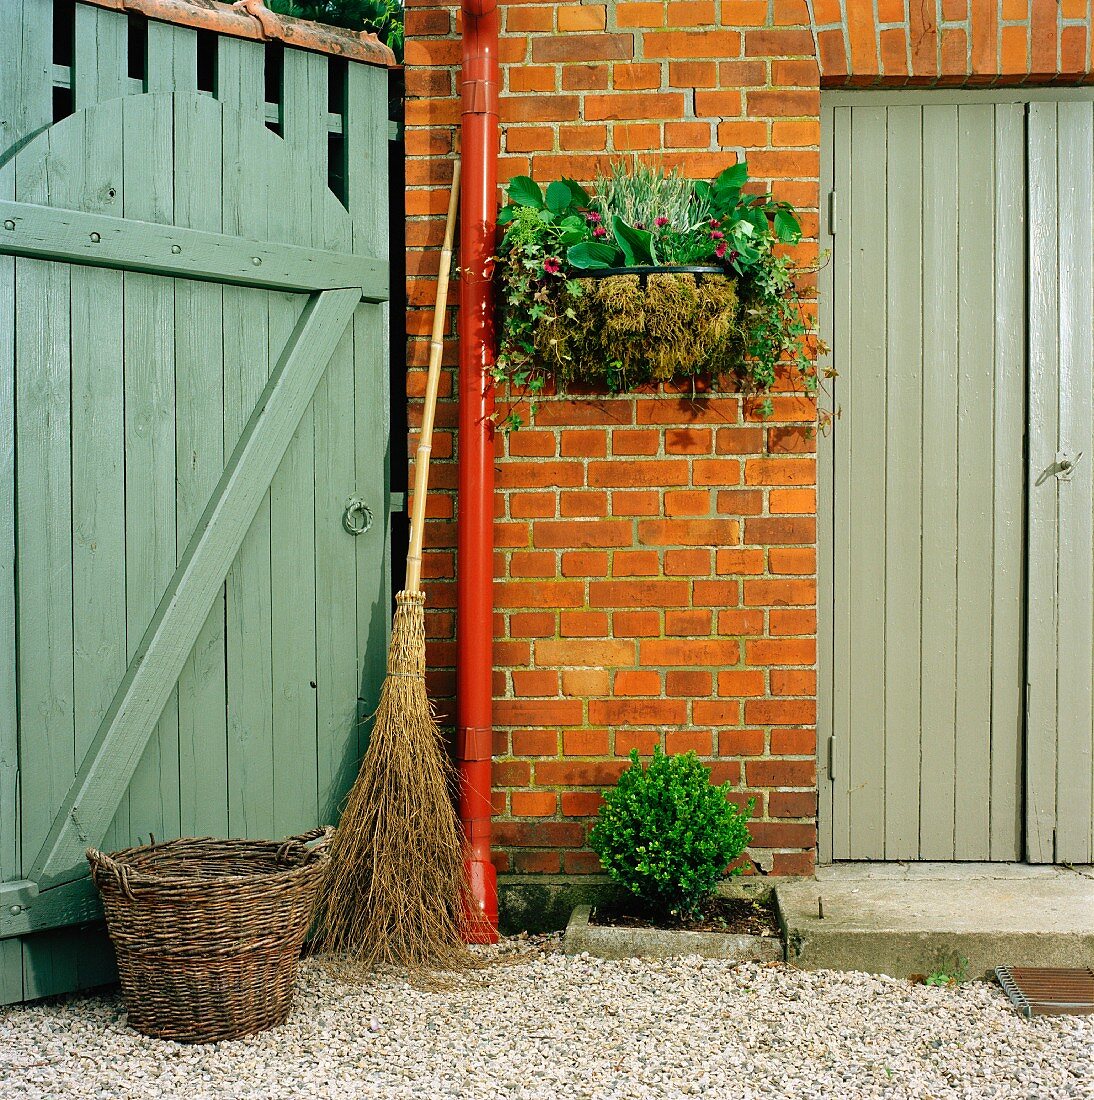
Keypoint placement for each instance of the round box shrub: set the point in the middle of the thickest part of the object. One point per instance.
(666, 833)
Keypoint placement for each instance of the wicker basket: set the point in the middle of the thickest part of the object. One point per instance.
(208, 932)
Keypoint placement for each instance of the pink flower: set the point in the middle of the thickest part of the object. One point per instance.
(600, 231)
(552, 265)
(720, 251)
(592, 217)
(716, 235)
(714, 223)
(734, 254)
(661, 221)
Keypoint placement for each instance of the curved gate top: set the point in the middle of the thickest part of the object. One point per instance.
(194, 389)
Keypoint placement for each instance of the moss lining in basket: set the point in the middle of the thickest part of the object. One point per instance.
(650, 278)
(629, 327)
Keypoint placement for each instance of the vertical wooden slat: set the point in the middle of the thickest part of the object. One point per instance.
(149, 309)
(335, 551)
(939, 581)
(292, 507)
(1075, 545)
(975, 351)
(246, 370)
(1043, 541)
(101, 68)
(367, 195)
(200, 456)
(1008, 511)
(172, 61)
(841, 490)
(903, 490)
(47, 743)
(93, 181)
(866, 771)
(25, 110)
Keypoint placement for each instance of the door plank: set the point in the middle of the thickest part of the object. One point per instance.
(92, 180)
(842, 496)
(1075, 548)
(975, 352)
(47, 742)
(940, 313)
(244, 206)
(292, 492)
(903, 488)
(172, 64)
(101, 58)
(25, 110)
(866, 774)
(199, 460)
(93, 797)
(151, 549)
(1008, 586)
(367, 195)
(1041, 706)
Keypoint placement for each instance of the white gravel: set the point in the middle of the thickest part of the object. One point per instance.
(558, 1028)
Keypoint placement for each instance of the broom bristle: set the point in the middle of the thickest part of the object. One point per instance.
(397, 889)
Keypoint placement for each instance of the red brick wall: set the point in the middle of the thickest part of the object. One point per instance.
(656, 555)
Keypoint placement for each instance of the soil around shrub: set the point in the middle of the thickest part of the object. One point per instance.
(734, 916)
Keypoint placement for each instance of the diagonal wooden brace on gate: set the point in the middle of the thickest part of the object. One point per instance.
(95, 794)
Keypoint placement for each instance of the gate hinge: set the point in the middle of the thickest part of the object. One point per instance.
(831, 213)
(831, 757)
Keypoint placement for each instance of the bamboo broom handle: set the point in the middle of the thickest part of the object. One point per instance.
(436, 349)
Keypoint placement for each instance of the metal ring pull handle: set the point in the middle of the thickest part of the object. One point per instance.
(357, 518)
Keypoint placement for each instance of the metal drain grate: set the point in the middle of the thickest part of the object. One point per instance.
(1049, 991)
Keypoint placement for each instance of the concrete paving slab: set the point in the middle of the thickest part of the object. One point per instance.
(902, 920)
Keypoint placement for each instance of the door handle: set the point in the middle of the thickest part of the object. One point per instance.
(1065, 464)
(357, 518)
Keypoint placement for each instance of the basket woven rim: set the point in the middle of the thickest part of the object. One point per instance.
(313, 859)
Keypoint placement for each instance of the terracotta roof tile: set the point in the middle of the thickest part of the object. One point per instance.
(251, 19)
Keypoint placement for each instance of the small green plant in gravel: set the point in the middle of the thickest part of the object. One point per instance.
(666, 833)
(950, 970)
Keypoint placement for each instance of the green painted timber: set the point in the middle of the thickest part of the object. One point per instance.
(165, 683)
(157, 249)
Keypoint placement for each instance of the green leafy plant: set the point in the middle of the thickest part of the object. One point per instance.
(558, 322)
(950, 971)
(667, 834)
(384, 18)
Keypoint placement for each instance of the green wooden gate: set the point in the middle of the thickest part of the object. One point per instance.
(194, 424)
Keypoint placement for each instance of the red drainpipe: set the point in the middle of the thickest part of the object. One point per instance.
(475, 503)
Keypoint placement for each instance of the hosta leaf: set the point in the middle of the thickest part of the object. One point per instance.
(524, 191)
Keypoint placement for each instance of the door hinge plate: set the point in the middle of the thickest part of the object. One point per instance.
(831, 758)
(832, 209)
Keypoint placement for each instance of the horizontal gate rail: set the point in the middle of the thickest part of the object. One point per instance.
(93, 798)
(73, 236)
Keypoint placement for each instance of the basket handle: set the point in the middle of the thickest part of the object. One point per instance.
(102, 863)
(315, 840)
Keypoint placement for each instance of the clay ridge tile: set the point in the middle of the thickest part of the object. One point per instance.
(251, 19)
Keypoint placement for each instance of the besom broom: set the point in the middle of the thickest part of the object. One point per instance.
(397, 890)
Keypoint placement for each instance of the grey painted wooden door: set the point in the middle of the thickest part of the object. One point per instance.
(957, 512)
(923, 503)
(196, 351)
